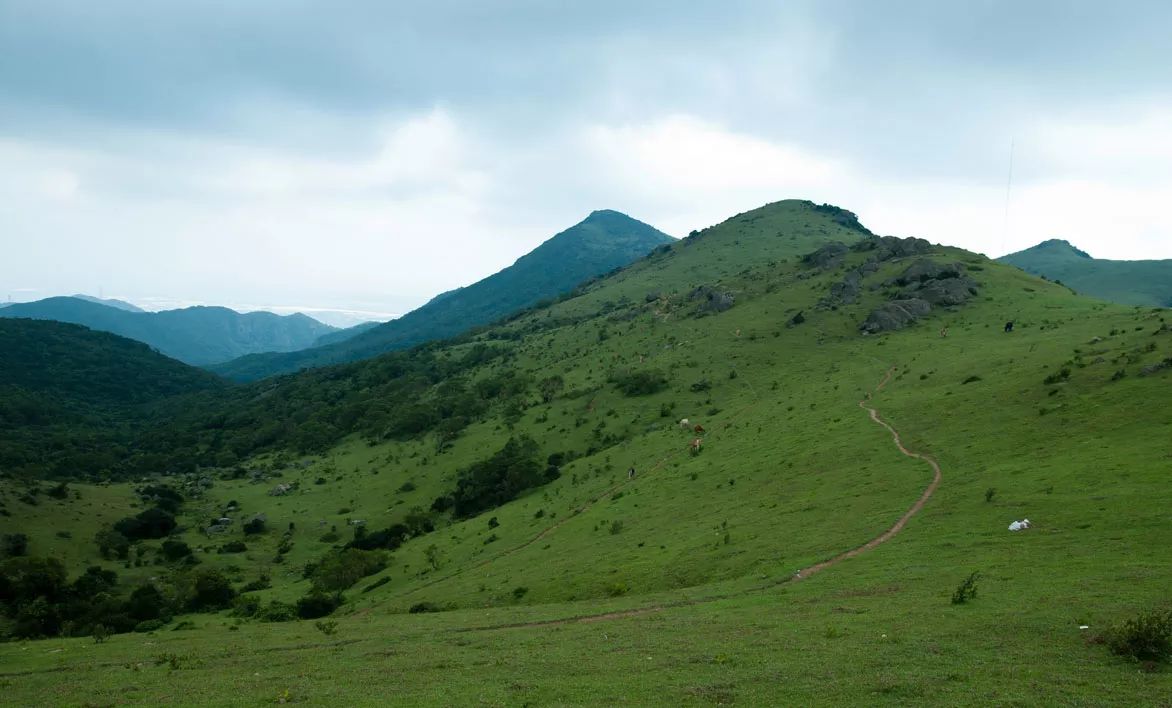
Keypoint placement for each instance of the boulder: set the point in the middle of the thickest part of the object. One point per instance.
(827, 256)
(894, 315)
(946, 292)
(923, 270)
(887, 247)
(712, 300)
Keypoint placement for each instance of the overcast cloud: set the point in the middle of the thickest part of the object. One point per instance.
(366, 156)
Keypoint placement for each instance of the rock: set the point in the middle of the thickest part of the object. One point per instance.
(894, 315)
(713, 300)
(651, 297)
(924, 270)
(844, 292)
(888, 247)
(827, 256)
(949, 291)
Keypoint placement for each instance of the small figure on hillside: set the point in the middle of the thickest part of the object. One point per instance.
(1009, 326)
(694, 447)
(631, 473)
(698, 429)
(943, 331)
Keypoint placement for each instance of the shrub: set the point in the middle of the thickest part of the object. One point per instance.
(967, 590)
(13, 545)
(971, 379)
(639, 383)
(616, 527)
(100, 633)
(420, 607)
(1062, 375)
(519, 592)
(277, 611)
(701, 385)
(148, 625)
(254, 526)
(499, 479)
(989, 494)
(210, 590)
(1145, 637)
(174, 550)
(326, 627)
(318, 604)
(407, 486)
(152, 523)
(339, 570)
(493, 523)
(233, 547)
(112, 544)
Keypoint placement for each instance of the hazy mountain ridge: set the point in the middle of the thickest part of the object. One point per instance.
(195, 335)
(1142, 282)
(604, 241)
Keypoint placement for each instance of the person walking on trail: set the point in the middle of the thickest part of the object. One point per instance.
(631, 473)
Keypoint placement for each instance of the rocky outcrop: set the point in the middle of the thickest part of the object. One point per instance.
(828, 256)
(947, 292)
(894, 315)
(885, 248)
(712, 300)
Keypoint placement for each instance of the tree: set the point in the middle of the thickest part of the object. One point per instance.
(210, 590)
(13, 545)
(550, 387)
(112, 544)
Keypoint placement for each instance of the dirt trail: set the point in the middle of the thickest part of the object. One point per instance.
(800, 575)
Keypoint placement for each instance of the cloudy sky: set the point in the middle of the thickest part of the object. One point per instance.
(366, 155)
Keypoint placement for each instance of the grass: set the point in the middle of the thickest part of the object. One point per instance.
(792, 472)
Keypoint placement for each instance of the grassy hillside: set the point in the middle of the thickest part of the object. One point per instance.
(678, 586)
(604, 241)
(1127, 282)
(194, 335)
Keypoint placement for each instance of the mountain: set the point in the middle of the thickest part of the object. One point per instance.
(119, 304)
(342, 335)
(604, 241)
(195, 335)
(519, 516)
(1128, 282)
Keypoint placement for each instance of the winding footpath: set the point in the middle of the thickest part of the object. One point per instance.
(800, 575)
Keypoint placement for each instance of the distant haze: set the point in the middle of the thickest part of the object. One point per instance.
(353, 161)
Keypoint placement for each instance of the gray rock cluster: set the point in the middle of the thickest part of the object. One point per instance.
(711, 300)
(924, 284)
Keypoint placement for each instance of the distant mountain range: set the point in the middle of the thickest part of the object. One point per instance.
(195, 335)
(1127, 282)
(119, 304)
(604, 241)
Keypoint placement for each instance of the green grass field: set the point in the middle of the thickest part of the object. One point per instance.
(677, 587)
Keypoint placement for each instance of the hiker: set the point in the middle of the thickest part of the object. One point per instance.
(1009, 326)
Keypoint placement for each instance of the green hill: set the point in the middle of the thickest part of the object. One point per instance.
(109, 302)
(604, 241)
(1126, 282)
(194, 335)
(500, 552)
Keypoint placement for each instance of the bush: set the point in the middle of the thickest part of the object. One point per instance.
(210, 590)
(318, 604)
(152, 523)
(339, 570)
(639, 383)
(1145, 637)
(148, 625)
(967, 590)
(377, 584)
(254, 526)
(13, 545)
(174, 550)
(420, 607)
(1062, 375)
(971, 379)
(233, 547)
(499, 479)
(519, 592)
(989, 494)
(277, 611)
(326, 627)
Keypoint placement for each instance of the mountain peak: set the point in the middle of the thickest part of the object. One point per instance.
(1058, 244)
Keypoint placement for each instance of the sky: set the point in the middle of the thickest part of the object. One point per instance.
(353, 159)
